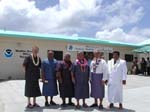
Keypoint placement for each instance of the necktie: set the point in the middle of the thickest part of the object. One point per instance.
(115, 62)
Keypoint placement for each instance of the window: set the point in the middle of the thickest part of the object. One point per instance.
(129, 57)
(88, 55)
(58, 55)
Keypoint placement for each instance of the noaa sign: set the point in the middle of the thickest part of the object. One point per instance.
(8, 53)
(71, 47)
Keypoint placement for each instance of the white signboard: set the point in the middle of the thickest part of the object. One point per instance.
(88, 48)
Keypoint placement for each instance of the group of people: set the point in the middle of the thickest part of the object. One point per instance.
(144, 66)
(74, 79)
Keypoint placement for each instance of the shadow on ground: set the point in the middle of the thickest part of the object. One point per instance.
(72, 108)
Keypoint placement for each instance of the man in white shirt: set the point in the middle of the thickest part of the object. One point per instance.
(117, 78)
(99, 75)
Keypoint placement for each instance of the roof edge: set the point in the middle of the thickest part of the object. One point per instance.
(64, 38)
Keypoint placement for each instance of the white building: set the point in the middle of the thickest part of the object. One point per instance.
(15, 46)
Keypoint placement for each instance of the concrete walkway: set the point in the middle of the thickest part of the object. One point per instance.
(136, 98)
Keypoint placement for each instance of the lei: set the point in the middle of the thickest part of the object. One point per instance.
(83, 63)
(95, 65)
(38, 60)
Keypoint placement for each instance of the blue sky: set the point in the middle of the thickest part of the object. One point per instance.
(143, 23)
(118, 20)
(145, 20)
(42, 4)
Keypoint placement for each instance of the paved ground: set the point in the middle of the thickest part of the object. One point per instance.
(136, 98)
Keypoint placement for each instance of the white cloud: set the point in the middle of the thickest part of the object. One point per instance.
(74, 35)
(121, 13)
(143, 32)
(74, 17)
(66, 17)
(118, 34)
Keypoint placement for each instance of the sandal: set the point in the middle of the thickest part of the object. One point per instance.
(47, 104)
(120, 106)
(30, 106)
(94, 105)
(78, 106)
(52, 103)
(111, 105)
(101, 107)
(85, 105)
(36, 105)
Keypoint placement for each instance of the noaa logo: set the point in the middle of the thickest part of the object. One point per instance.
(70, 47)
(8, 53)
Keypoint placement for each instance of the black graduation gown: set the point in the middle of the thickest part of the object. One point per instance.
(66, 88)
(32, 75)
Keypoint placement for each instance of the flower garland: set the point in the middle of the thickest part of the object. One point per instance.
(83, 63)
(95, 65)
(38, 60)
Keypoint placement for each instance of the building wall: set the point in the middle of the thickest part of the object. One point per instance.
(12, 67)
